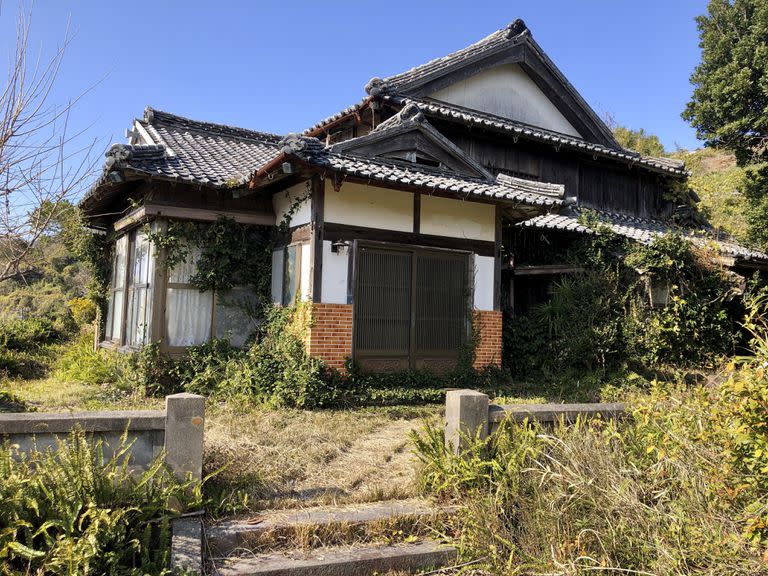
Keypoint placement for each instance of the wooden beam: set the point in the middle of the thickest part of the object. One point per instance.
(497, 261)
(317, 199)
(416, 212)
(335, 231)
(197, 214)
(546, 269)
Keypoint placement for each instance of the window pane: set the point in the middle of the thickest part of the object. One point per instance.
(183, 271)
(141, 260)
(108, 325)
(138, 319)
(235, 316)
(117, 314)
(188, 316)
(290, 273)
(121, 257)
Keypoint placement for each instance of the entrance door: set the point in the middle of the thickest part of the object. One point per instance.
(411, 308)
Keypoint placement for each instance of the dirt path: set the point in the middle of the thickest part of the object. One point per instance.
(376, 466)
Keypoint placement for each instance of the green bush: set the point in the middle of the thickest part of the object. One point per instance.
(601, 321)
(79, 362)
(77, 510)
(654, 494)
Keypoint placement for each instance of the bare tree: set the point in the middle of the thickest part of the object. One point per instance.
(43, 164)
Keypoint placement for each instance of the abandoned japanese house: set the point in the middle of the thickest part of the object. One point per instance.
(416, 214)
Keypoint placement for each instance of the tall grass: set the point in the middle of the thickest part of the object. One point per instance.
(78, 510)
(656, 494)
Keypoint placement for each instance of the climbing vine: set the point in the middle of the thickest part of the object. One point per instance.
(230, 254)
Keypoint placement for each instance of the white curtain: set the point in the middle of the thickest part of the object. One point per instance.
(188, 316)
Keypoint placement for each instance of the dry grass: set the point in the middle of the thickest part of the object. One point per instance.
(290, 458)
(53, 395)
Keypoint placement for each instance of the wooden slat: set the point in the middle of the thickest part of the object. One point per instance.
(197, 214)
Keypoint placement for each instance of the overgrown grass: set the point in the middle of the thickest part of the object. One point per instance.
(658, 493)
(82, 510)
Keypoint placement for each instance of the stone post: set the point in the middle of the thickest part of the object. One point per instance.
(466, 414)
(184, 425)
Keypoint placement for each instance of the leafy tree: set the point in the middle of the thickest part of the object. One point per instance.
(639, 141)
(729, 106)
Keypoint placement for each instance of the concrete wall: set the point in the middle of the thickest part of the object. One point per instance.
(369, 206)
(178, 430)
(507, 91)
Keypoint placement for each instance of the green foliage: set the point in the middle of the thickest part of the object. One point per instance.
(745, 402)
(79, 362)
(729, 106)
(639, 141)
(82, 510)
(10, 402)
(755, 188)
(275, 371)
(721, 186)
(26, 345)
(231, 254)
(601, 320)
(654, 494)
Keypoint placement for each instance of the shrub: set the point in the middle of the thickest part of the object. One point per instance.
(83, 310)
(79, 511)
(79, 362)
(655, 494)
(602, 321)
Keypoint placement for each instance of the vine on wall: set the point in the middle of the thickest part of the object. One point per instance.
(231, 254)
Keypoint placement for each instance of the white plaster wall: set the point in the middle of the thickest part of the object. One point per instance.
(507, 91)
(283, 200)
(484, 282)
(369, 206)
(277, 276)
(305, 277)
(335, 272)
(457, 218)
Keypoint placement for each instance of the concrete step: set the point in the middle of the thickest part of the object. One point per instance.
(343, 561)
(322, 526)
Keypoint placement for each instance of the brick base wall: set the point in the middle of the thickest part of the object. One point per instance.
(330, 334)
(487, 326)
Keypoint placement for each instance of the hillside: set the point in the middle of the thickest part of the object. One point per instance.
(719, 183)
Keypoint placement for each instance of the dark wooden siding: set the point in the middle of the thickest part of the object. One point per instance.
(596, 183)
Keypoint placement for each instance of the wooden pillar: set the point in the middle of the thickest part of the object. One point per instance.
(317, 201)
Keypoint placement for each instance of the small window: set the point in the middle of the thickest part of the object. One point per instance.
(291, 264)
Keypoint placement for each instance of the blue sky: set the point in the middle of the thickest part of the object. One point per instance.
(282, 66)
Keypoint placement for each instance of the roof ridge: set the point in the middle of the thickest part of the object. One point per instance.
(500, 37)
(152, 115)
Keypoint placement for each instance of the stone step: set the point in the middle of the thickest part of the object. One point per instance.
(343, 561)
(311, 527)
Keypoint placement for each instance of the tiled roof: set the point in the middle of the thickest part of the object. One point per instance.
(175, 148)
(643, 230)
(339, 115)
(496, 41)
(453, 112)
(391, 171)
